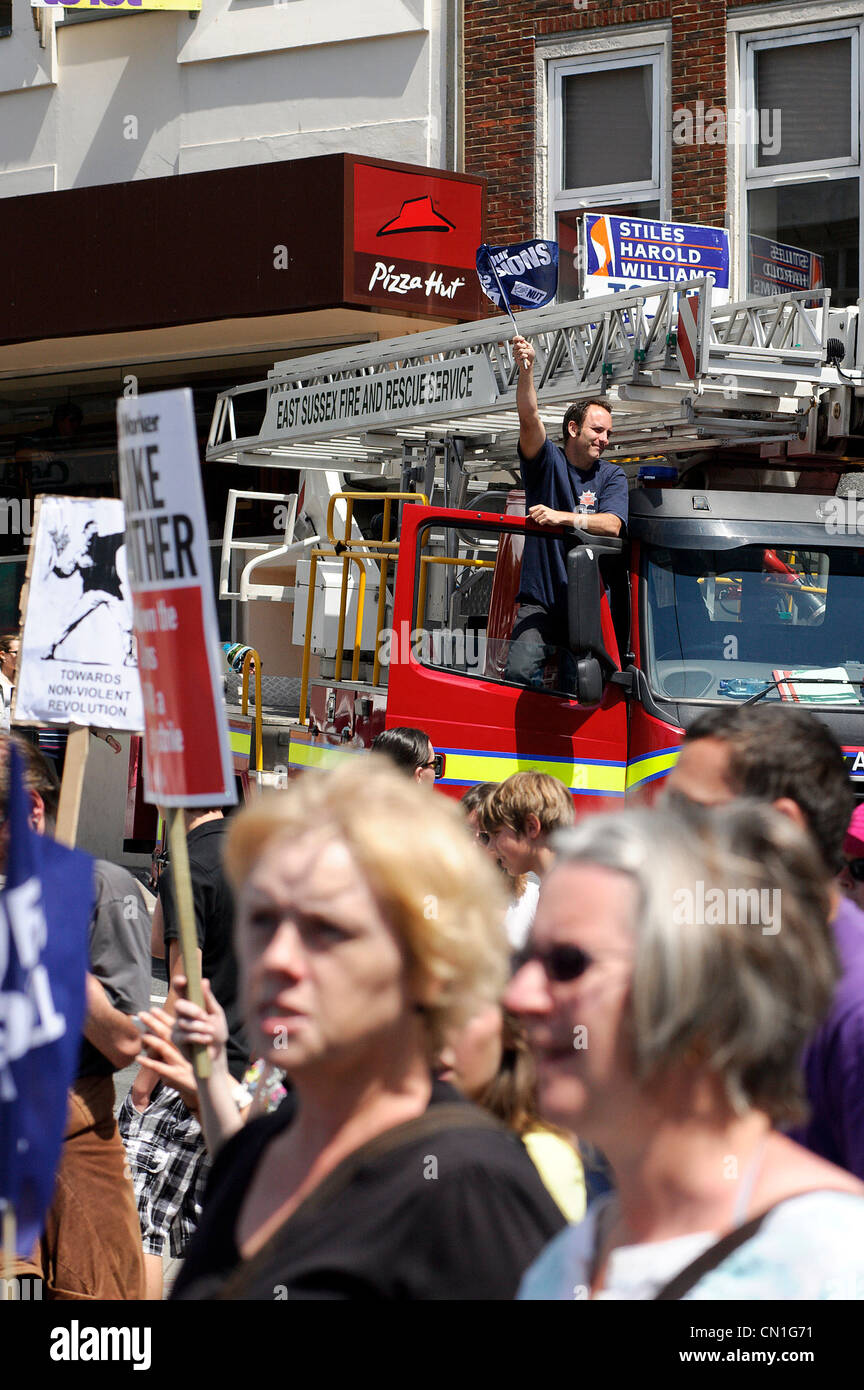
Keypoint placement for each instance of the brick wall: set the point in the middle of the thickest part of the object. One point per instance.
(499, 97)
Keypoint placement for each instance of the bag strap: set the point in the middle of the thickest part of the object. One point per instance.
(455, 1115)
(710, 1259)
(686, 1278)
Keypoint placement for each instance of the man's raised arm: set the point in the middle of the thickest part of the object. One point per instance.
(532, 431)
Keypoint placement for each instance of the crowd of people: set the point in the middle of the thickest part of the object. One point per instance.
(484, 1050)
(480, 1051)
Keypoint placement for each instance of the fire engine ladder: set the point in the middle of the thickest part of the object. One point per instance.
(758, 364)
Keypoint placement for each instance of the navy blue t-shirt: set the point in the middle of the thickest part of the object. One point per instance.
(550, 481)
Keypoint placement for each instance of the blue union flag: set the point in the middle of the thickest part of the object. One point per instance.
(45, 909)
(525, 274)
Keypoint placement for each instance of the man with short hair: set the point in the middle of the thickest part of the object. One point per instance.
(520, 814)
(572, 486)
(90, 1247)
(786, 756)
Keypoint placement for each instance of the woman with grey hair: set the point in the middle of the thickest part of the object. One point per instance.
(674, 975)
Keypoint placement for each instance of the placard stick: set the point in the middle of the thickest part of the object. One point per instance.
(186, 921)
(72, 784)
(9, 1253)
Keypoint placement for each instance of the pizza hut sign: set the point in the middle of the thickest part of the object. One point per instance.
(415, 237)
(403, 282)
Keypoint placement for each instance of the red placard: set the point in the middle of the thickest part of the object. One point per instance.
(181, 725)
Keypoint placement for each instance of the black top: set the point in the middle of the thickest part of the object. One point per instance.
(551, 481)
(214, 918)
(459, 1214)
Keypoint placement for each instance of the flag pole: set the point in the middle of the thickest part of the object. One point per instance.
(501, 287)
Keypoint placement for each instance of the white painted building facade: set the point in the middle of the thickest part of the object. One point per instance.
(145, 94)
(180, 205)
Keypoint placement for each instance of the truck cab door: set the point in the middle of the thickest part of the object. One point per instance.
(455, 605)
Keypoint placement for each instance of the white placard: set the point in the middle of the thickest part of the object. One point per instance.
(77, 662)
(187, 756)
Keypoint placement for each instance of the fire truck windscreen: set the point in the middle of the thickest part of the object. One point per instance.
(723, 624)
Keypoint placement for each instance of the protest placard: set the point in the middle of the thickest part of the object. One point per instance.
(187, 755)
(77, 662)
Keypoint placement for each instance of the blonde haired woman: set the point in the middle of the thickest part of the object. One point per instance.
(366, 922)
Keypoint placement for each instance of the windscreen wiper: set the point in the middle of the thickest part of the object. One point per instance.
(792, 680)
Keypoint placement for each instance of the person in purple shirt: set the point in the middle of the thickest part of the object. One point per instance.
(851, 878)
(786, 756)
(573, 486)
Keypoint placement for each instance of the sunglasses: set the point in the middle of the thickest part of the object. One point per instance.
(560, 963)
(855, 867)
(438, 763)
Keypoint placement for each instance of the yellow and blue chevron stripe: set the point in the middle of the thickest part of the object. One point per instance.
(318, 757)
(240, 740)
(465, 767)
(651, 766)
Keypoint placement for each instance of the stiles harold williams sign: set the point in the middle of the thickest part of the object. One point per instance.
(416, 232)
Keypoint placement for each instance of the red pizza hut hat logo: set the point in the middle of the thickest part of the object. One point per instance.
(417, 215)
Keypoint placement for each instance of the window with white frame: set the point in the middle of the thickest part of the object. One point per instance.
(605, 153)
(800, 128)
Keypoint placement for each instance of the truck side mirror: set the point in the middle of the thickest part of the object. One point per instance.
(589, 681)
(584, 592)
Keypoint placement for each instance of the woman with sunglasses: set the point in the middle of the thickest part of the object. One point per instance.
(368, 924)
(411, 751)
(668, 996)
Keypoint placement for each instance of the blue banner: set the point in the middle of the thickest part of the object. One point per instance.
(45, 911)
(525, 274)
(624, 253)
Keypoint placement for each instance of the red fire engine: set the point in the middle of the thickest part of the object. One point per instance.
(741, 576)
